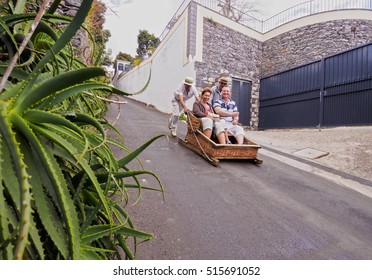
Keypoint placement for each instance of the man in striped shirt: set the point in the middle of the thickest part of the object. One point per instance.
(228, 111)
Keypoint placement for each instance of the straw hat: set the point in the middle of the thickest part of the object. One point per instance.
(188, 81)
(224, 80)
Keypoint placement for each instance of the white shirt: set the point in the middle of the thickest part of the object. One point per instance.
(181, 90)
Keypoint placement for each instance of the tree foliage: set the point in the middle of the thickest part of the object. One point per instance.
(147, 43)
(96, 20)
(124, 56)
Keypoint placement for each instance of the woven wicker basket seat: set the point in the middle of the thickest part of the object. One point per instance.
(196, 141)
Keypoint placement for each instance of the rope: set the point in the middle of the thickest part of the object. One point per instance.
(197, 140)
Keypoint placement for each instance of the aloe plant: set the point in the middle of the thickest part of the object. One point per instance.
(60, 182)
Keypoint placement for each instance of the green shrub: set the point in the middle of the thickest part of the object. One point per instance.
(59, 178)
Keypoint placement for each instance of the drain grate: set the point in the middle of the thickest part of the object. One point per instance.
(310, 153)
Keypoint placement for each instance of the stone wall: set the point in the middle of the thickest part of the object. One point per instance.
(80, 41)
(313, 42)
(229, 53)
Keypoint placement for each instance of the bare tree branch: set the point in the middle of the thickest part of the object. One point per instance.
(105, 99)
(236, 10)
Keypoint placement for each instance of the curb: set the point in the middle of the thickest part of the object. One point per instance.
(361, 185)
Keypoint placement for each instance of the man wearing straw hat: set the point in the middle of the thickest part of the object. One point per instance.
(217, 89)
(183, 93)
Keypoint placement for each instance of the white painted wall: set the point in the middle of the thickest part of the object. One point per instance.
(169, 66)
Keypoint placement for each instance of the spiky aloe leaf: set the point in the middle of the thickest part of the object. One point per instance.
(23, 180)
(133, 174)
(45, 28)
(96, 232)
(54, 149)
(69, 92)
(12, 48)
(10, 179)
(136, 186)
(19, 7)
(54, 6)
(73, 151)
(45, 205)
(7, 30)
(9, 21)
(29, 98)
(70, 31)
(39, 117)
(93, 253)
(64, 39)
(51, 168)
(102, 151)
(35, 249)
(5, 235)
(125, 160)
(88, 120)
(125, 247)
(11, 92)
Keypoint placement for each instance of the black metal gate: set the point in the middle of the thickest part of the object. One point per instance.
(241, 94)
(334, 91)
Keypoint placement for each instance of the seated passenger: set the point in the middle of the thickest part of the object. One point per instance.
(201, 109)
(229, 115)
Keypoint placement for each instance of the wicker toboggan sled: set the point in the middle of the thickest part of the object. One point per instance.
(196, 141)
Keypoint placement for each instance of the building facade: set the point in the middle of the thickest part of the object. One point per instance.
(206, 45)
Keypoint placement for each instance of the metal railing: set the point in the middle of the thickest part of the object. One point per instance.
(214, 5)
(173, 20)
(311, 8)
(295, 12)
(245, 19)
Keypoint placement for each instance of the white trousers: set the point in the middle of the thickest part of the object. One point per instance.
(207, 123)
(176, 112)
(233, 129)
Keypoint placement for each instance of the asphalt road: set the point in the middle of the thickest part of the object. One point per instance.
(237, 210)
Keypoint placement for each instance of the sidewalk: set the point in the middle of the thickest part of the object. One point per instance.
(346, 149)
